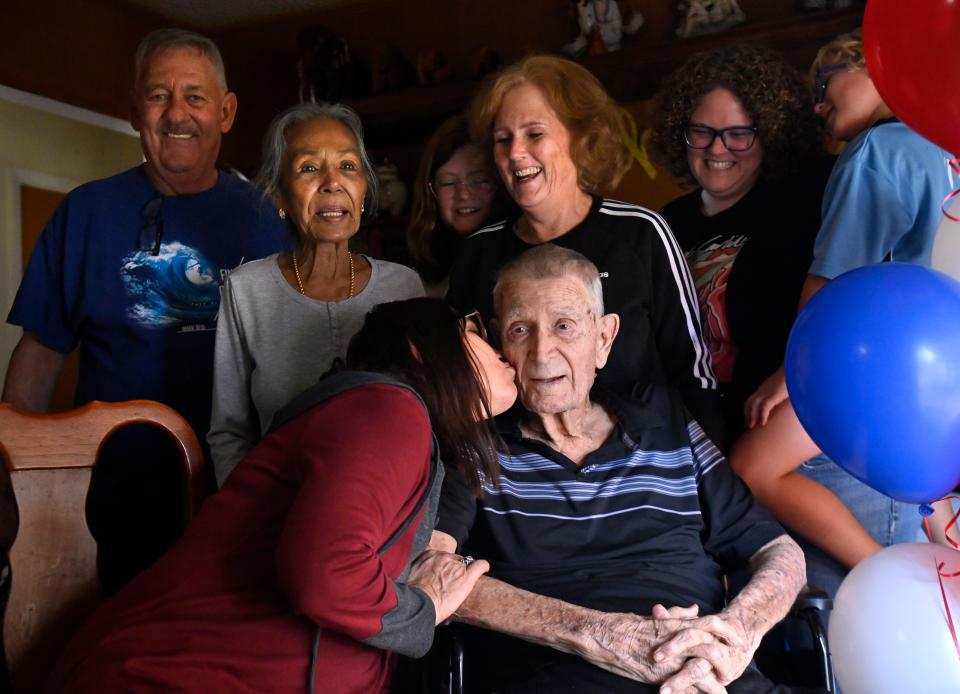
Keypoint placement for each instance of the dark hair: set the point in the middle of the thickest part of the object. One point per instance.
(773, 94)
(432, 246)
(420, 342)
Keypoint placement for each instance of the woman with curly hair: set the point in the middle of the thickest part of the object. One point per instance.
(557, 142)
(738, 123)
(456, 192)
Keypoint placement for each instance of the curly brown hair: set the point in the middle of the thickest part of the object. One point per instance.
(773, 94)
(596, 124)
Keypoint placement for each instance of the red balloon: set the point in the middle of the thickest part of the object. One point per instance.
(913, 55)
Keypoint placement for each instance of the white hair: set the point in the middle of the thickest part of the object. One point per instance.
(549, 261)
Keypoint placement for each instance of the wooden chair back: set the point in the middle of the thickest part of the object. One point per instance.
(49, 459)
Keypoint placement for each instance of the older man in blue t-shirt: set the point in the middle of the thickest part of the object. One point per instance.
(129, 269)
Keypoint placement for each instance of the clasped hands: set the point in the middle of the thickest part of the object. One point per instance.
(675, 647)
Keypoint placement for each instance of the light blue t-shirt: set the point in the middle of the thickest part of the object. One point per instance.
(882, 201)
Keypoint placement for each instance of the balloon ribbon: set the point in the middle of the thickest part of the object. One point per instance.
(946, 603)
(946, 531)
(939, 567)
(955, 165)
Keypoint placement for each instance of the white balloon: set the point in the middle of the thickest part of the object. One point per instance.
(888, 629)
(946, 243)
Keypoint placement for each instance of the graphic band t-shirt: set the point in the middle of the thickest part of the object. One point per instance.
(710, 265)
(749, 263)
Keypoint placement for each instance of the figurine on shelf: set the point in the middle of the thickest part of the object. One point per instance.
(433, 67)
(390, 70)
(707, 16)
(393, 191)
(483, 61)
(325, 70)
(601, 27)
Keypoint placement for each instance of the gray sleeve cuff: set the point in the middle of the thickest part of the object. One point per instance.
(408, 628)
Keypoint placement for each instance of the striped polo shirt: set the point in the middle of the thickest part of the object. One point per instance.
(654, 515)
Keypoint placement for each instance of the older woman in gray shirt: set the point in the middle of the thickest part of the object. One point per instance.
(284, 319)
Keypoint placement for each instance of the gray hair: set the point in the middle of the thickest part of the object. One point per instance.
(275, 146)
(163, 40)
(549, 261)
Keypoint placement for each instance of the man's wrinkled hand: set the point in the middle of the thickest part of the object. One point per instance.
(624, 643)
(695, 677)
(728, 652)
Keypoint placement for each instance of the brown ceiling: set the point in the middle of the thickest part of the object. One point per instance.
(216, 15)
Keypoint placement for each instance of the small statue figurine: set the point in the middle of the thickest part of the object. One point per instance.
(483, 61)
(433, 67)
(601, 27)
(325, 69)
(390, 70)
(393, 191)
(707, 16)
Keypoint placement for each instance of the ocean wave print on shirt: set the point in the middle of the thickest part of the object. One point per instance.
(178, 287)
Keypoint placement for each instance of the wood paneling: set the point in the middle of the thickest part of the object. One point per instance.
(80, 53)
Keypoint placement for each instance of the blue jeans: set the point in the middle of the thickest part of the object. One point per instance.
(888, 521)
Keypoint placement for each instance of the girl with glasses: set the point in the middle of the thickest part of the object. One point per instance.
(455, 193)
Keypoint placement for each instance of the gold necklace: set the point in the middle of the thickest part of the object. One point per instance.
(353, 274)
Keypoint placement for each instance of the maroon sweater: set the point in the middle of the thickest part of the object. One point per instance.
(290, 542)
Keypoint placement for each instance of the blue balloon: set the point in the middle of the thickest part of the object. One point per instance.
(873, 371)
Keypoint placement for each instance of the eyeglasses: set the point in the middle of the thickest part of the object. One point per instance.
(821, 79)
(736, 139)
(475, 320)
(447, 187)
(152, 232)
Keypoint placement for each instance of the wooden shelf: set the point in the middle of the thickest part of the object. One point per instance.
(636, 72)
(631, 74)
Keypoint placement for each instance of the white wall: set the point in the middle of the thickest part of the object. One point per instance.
(51, 145)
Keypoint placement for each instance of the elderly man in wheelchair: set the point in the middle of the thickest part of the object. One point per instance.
(613, 521)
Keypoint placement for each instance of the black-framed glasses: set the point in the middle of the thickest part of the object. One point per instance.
(151, 235)
(736, 139)
(476, 320)
(821, 79)
(448, 186)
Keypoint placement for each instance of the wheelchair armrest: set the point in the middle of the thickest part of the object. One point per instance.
(812, 599)
(813, 607)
